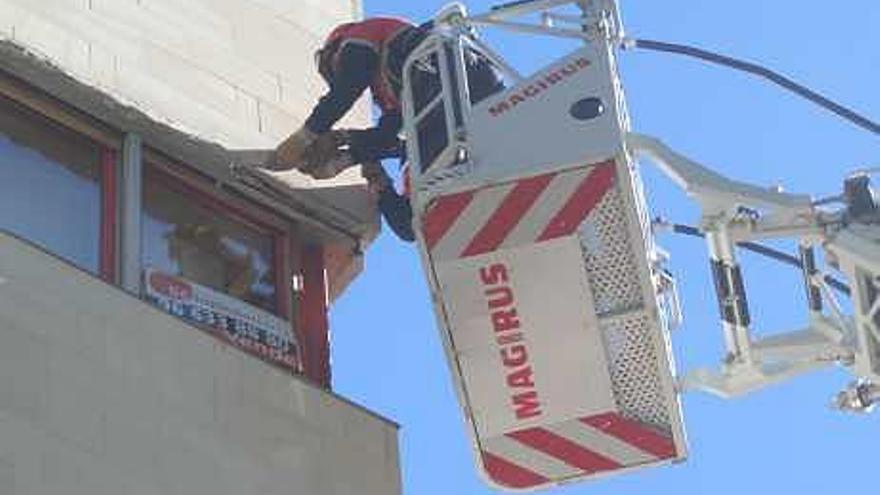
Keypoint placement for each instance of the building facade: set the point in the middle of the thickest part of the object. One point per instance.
(163, 322)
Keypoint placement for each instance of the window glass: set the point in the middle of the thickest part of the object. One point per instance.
(186, 238)
(484, 79)
(424, 77)
(432, 136)
(431, 128)
(50, 185)
(452, 70)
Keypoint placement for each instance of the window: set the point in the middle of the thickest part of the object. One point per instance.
(481, 78)
(184, 236)
(432, 134)
(50, 186)
(206, 261)
(206, 255)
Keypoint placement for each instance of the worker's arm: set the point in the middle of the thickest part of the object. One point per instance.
(396, 210)
(373, 144)
(357, 67)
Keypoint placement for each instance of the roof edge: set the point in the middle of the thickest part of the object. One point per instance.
(314, 206)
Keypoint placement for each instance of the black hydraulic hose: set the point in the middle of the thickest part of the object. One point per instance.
(769, 252)
(768, 74)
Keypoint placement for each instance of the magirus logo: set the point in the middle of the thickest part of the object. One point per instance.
(540, 85)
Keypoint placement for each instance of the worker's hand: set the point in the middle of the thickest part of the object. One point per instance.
(326, 147)
(376, 176)
(330, 168)
(327, 156)
(290, 152)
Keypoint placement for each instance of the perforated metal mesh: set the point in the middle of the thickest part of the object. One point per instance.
(610, 261)
(632, 351)
(870, 290)
(632, 341)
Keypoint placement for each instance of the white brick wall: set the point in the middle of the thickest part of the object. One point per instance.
(101, 394)
(238, 72)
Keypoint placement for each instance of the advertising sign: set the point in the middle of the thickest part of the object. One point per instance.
(235, 321)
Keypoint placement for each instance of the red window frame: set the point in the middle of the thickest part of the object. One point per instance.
(200, 188)
(313, 321)
(59, 114)
(309, 322)
(227, 206)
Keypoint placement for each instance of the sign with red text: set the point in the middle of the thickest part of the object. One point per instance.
(525, 336)
(248, 327)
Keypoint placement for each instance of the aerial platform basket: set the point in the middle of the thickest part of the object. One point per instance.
(533, 231)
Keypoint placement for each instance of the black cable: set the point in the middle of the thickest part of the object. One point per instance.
(769, 252)
(510, 4)
(768, 74)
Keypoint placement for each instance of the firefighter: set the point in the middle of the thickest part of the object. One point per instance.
(370, 54)
(356, 56)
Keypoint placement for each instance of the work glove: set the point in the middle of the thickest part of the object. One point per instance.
(325, 148)
(328, 155)
(376, 176)
(290, 152)
(330, 168)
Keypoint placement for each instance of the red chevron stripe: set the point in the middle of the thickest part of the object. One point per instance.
(565, 450)
(508, 214)
(443, 214)
(633, 433)
(509, 474)
(581, 203)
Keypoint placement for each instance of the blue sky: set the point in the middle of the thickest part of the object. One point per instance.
(386, 350)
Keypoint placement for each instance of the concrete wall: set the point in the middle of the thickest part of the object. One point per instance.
(238, 72)
(101, 394)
